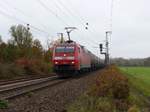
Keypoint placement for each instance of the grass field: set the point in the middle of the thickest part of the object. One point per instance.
(140, 78)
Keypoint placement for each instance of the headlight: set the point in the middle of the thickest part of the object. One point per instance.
(56, 62)
(73, 62)
(58, 58)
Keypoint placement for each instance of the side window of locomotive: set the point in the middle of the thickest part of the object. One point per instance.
(79, 50)
(83, 50)
(86, 51)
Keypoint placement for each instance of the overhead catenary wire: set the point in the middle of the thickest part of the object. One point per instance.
(34, 27)
(36, 30)
(77, 18)
(111, 15)
(13, 7)
(68, 10)
(80, 17)
(24, 14)
(21, 21)
(61, 10)
(13, 17)
(51, 11)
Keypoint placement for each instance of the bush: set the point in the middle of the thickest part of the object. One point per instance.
(9, 71)
(113, 84)
(133, 109)
(34, 66)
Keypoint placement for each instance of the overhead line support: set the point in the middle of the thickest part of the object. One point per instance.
(106, 53)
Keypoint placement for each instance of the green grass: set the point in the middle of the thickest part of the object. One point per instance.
(139, 77)
(3, 104)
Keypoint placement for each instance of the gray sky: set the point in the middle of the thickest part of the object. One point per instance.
(131, 22)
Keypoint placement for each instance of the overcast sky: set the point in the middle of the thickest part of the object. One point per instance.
(130, 30)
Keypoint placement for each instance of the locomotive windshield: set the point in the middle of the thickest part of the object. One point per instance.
(64, 49)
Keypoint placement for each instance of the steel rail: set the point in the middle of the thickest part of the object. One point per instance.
(13, 90)
(21, 79)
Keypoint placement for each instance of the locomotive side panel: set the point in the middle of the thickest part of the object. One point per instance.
(85, 59)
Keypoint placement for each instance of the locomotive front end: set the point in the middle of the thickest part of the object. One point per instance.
(64, 58)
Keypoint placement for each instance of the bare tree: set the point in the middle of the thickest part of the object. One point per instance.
(21, 36)
(37, 44)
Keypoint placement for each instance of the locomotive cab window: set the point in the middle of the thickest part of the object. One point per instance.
(64, 49)
(69, 49)
(59, 49)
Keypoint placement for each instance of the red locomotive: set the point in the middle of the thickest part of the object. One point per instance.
(70, 56)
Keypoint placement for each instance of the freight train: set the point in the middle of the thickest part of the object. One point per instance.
(71, 57)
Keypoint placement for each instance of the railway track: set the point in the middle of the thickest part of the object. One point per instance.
(21, 79)
(15, 89)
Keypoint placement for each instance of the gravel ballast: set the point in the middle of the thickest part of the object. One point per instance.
(52, 99)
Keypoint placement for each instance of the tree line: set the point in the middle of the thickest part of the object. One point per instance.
(131, 62)
(24, 51)
(21, 45)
